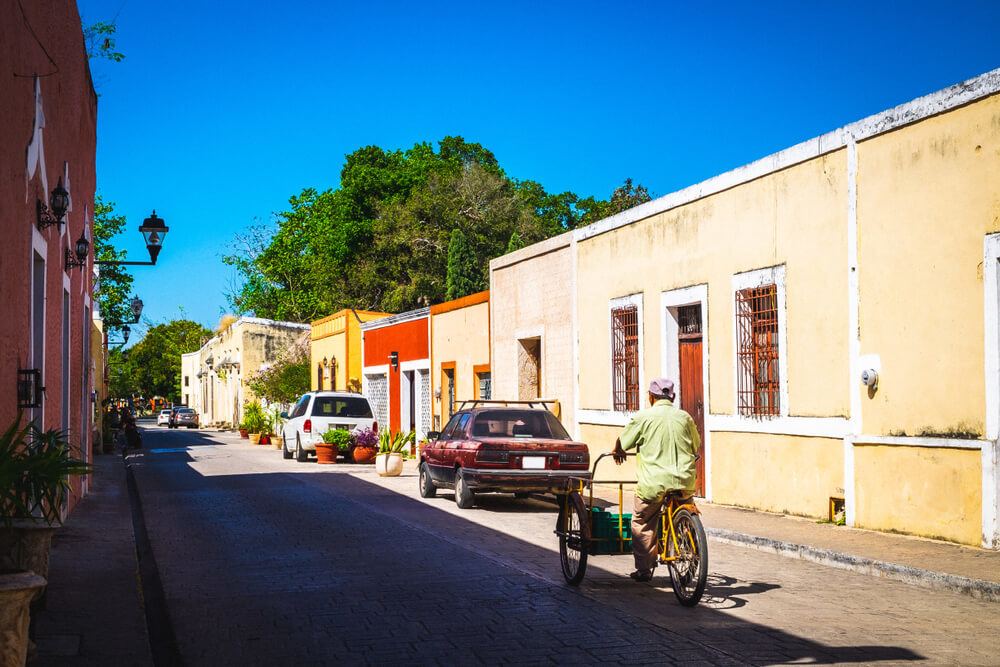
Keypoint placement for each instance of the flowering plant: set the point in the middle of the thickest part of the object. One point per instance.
(365, 437)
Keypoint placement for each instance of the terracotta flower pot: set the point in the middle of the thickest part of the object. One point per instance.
(255, 438)
(244, 433)
(265, 439)
(389, 465)
(364, 454)
(16, 592)
(326, 453)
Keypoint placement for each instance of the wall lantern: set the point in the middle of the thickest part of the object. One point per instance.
(325, 363)
(394, 360)
(53, 213)
(153, 230)
(125, 333)
(82, 249)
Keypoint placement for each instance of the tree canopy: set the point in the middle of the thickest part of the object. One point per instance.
(114, 282)
(380, 240)
(152, 367)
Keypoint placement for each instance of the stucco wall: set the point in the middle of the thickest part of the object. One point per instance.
(927, 195)
(793, 217)
(940, 494)
(532, 294)
(461, 337)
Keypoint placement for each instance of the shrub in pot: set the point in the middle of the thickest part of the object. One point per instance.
(389, 461)
(277, 428)
(255, 421)
(365, 445)
(333, 440)
(35, 467)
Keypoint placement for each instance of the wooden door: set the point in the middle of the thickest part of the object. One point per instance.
(692, 378)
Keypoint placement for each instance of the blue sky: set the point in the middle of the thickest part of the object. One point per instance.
(224, 109)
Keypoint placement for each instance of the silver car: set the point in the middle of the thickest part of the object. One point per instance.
(318, 411)
(184, 417)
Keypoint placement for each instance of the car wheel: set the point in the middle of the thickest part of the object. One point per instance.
(464, 497)
(285, 454)
(427, 488)
(301, 455)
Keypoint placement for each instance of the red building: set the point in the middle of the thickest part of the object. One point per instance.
(48, 119)
(396, 370)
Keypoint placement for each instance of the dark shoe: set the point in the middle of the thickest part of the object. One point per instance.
(642, 575)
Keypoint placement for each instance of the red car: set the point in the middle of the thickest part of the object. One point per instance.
(500, 448)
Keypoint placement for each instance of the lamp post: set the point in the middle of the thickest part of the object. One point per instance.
(153, 230)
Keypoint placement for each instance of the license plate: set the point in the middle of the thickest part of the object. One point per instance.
(533, 462)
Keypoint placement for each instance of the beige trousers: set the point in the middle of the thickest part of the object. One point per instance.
(645, 517)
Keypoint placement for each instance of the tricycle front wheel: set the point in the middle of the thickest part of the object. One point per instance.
(573, 529)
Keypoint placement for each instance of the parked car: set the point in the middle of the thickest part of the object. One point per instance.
(318, 411)
(163, 418)
(183, 417)
(499, 448)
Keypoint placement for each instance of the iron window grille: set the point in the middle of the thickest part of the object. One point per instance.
(758, 386)
(485, 386)
(625, 358)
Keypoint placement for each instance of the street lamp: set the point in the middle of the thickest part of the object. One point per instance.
(125, 332)
(153, 230)
(82, 248)
(136, 305)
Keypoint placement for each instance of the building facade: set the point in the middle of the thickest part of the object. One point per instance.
(532, 325)
(396, 371)
(828, 312)
(335, 349)
(214, 379)
(460, 354)
(48, 119)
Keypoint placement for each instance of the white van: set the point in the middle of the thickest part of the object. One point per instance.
(318, 411)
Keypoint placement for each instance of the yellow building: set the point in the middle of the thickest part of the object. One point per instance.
(335, 349)
(460, 354)
(830, 314)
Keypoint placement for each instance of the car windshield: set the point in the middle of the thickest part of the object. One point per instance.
(518, 424)
(353, 407)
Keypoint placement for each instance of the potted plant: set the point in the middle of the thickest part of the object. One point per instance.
(365, 446)
(244, 433)
(277, 437)
(255, 421)
(389, 461)
(333, 440)
(35, 467)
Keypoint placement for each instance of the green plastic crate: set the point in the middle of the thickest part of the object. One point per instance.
(604, 532)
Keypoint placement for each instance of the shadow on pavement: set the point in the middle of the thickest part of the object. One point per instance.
(319, 565)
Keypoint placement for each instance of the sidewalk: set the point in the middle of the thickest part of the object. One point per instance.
(94, 612)
(914, 560)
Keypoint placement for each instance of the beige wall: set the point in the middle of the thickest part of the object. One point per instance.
(793, 217)
(940, 494)
(461, 337)
(532, 294)
(927, 196)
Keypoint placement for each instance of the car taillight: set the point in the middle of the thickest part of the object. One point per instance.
(308, 426)
(374, 427)
(572, 457)
(492, 455)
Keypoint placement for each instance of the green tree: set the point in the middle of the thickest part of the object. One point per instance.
(624, 197)
(114, 282)
(463, 277)
(285, 380)
(515, 243)
(152, 367)
(100, 40)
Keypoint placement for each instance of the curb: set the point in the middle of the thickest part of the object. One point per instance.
(977, 588)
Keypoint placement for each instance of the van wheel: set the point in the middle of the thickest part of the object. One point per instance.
(285, 454)
(427, 488)
(464, 496)
(301, 455)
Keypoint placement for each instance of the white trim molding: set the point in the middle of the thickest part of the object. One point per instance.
(408, 316)
(416, 365)
(812, 427)
(917, 441)
(381, 369)
(758, 278)
(991, 494)
(991, 339)
(618, 302)
(670, 366)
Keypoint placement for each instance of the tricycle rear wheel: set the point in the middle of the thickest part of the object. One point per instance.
(689, 564)
(574, 537)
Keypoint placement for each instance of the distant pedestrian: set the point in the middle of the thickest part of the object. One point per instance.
(667, 443)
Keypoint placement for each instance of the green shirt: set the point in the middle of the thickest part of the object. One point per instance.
(667, 440)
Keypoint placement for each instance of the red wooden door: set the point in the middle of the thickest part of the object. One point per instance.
(693, 386)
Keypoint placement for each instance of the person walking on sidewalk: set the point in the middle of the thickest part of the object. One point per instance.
(667, 443)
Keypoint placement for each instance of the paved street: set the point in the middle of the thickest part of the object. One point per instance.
(267, 561)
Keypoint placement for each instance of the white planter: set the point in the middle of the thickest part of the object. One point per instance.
(389, 465)
(16, 592)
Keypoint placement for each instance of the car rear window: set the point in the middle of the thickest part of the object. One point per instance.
(518, 424)
(353, 407)
(185, 411)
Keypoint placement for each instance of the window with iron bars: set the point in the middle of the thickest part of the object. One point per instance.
(758, 386)
(625, 358)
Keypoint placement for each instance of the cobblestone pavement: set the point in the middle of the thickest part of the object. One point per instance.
(266, 561)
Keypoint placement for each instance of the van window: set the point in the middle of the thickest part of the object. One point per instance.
(350, 407)
(300, 407)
